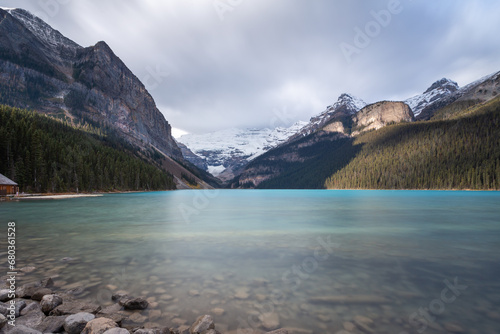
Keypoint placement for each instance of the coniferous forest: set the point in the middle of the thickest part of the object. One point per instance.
(458, 149)
(45, 155)
(462, 152)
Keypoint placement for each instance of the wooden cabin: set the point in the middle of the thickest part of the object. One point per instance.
(7, 186)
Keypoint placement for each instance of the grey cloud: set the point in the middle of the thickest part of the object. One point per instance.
(282, 54)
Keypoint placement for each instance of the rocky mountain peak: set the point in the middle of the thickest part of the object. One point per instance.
(347, 101)
(346, 106)
(44, 32)
(87, 83)
(432, 97)
(443, 84)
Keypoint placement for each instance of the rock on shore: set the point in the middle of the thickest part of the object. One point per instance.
(39, 310)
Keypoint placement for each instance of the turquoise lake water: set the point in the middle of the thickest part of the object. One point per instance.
(315, 261)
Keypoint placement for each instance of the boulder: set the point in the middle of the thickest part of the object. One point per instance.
(20, 304)
(202, 324)
(50, 302)
(31, 320)
(99, 326)
(117, 330)
(31, 307)
(74, 324)
(278, 331)
(22, 329)
(52, 324)
(3, 308)
(40, 292)
(75, 306)
(4, 295)
(3, 320)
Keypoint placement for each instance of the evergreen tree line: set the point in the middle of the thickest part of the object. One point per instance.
(45, 155)
(458, 153)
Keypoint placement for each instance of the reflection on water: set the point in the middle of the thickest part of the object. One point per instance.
(315, 261)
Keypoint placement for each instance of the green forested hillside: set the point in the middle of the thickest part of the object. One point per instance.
(462, 152)
(320, 159)
(44, 155)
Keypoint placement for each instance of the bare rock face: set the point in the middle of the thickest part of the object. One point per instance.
(335, 127)
(378, 115)
(43, 70)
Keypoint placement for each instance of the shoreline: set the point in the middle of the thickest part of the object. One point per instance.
(56, 196)
(43, 196)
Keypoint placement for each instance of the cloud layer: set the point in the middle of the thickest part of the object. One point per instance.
(214, 64)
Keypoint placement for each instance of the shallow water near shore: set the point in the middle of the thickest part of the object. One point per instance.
(410, 261)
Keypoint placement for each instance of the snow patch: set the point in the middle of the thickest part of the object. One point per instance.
(216, 170)
(44, 32)
(219, 147)
(438, 90)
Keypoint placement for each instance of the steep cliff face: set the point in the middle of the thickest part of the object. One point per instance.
(43, 70)
(378, 115)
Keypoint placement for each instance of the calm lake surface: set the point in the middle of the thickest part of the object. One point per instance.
(409, 261)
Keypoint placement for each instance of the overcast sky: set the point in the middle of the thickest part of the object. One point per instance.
(215, 64)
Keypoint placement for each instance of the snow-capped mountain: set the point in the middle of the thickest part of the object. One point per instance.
(83, 83)
(435, 93)
(227, 150)
(41, 29)
(346, 106)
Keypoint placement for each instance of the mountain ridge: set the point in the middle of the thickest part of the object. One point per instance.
(44, 71)
(100, 85)
(307, 160)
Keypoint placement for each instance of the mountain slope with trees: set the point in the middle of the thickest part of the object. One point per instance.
(459, 153)
(46, 155)
(458, 149)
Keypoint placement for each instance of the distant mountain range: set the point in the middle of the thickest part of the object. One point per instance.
(349, 144)
(341, 137)
(225, 153)
(42, 70)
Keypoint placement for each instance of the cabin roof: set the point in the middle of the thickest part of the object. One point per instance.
(6, 181)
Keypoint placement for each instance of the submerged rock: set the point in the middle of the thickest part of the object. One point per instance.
(363, 323)
(355, 299)
(218, 311)
(131, 303)
(270, 321)
(453, 328)
(241, 293)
